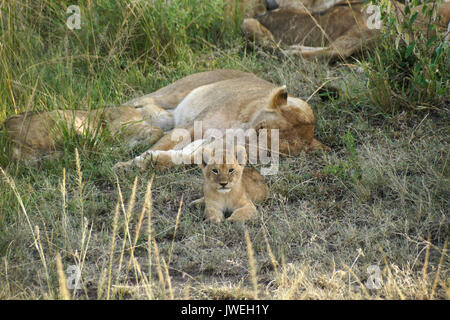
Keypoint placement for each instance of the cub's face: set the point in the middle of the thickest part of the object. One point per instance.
(220, 175)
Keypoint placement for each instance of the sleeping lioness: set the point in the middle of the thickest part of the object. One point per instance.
(220, 100)
(253, 8)
(325, 28)
(34, 136)
(229, 186)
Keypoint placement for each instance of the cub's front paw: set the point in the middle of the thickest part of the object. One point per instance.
(214, 219)
(198, 201)
(242, 215)
(213, 216)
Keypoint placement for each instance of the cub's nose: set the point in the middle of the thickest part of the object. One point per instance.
(223, 184)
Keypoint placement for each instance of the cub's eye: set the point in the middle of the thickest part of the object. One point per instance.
(231, 171)
(215, 171)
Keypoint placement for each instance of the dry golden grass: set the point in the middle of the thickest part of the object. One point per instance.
(379, 198)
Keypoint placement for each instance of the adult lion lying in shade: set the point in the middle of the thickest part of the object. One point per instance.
(221, 100)
(34, 136)
(321, 28)
(252, 8)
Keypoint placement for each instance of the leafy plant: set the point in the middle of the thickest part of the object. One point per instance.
(410, 67)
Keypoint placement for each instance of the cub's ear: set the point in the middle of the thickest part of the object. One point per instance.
(241, 155)
(278, 97)
(207, 155)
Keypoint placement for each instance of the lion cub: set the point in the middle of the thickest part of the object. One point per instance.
(230, 187)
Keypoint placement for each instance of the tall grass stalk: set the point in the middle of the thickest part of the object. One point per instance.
(63, 291)
(252, 264)
(112, 250)
(34, 231)
(159, 269)
(145, 207)
(126, 223)
(177, 222)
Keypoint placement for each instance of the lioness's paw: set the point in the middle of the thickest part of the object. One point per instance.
(122, 166)
(141, 163)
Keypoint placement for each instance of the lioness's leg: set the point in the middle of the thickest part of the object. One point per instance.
(343, 47)
(339, 49)
(308, 52)
(143, 161)
(142, 132)
(174, 140)
(172, 149)
(254, 30)
(157, 116)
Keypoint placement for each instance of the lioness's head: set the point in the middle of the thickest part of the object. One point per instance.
(294, 120)
(223, 169)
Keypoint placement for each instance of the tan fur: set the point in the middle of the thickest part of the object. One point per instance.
(224, 99)
(330, 29)
(244, 187)
(249, 8)
(35, 135)
(252, 8)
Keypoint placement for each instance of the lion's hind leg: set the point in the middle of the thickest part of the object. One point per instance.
(308, 52)
(343, 47)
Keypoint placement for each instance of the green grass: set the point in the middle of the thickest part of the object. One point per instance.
(380, 197)
(410, 67)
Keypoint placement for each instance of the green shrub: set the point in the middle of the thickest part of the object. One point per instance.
(410, 67)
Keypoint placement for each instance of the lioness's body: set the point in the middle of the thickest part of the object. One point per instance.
(221, 100)
(332, 29)
(252, 8)
(35, 135)
(231, 187)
